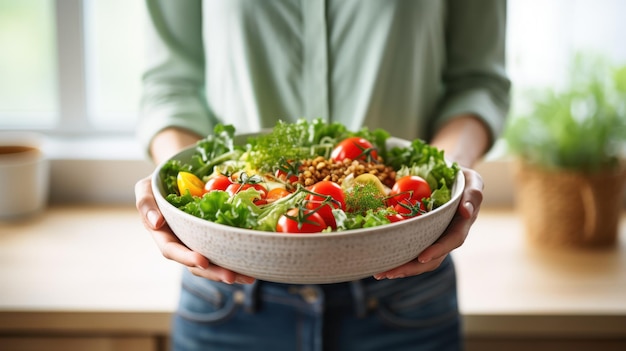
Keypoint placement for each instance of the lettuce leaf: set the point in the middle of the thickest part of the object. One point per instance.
(219, 207)
(429, 163)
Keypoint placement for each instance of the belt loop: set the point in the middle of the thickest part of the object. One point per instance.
(358, 294)
(251, 296)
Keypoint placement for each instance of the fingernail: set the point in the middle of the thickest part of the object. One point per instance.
(424, 259)
(470, 207)
(153, 218)
(244, 280)
(227, 281)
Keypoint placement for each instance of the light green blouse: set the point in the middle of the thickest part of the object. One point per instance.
(405, 66)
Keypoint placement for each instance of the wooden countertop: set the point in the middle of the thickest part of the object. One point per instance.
(95, 269)
(507, 286)
(83, 261)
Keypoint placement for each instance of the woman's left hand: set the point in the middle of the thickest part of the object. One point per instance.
(454, 236)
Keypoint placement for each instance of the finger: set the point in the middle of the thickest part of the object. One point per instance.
(459, 227)
(472, 196)
(221, 274)
(173, 249)
(452, 239)
(409, 269)
(146, 204)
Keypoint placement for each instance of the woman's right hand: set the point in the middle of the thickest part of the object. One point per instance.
(174, 249)
(171, 247)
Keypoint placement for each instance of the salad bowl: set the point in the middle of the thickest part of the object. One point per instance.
(319, 258)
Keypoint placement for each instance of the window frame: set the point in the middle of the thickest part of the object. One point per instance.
(71, 119)
(71, 67)
(77, 146)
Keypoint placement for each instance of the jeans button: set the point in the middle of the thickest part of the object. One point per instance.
(308, 293)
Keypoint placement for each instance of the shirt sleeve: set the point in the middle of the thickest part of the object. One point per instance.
(173, 78)
(475, 79)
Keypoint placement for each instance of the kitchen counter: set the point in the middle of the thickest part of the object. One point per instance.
(565, 299)
(90, 277)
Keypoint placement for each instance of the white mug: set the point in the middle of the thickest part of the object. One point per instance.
(24, 175)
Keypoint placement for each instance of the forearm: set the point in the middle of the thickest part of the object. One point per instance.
(169, 141)
(475, 80)
(464, 139)
(173, 78)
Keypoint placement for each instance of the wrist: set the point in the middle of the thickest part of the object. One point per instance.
(169, 141)
(464, 140)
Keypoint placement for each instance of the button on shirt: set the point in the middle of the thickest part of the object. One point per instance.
(405, 66)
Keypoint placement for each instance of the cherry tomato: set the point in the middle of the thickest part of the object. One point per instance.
(407, 209)
(354, 148)
(276, 193)
(282, 175)
(300, 221)
(189, 181)
(315, 202)
(413, 188)
(396, 217)
(220, 182)
(234, 188)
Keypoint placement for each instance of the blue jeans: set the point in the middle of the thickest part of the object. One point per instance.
(415, 313)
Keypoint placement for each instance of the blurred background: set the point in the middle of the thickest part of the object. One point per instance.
(71, 70)
(73, 66)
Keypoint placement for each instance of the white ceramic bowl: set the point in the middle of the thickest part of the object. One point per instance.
(308, 258)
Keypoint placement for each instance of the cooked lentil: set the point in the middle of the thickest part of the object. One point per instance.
(319, 168)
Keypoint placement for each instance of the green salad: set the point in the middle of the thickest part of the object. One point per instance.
(308, 177)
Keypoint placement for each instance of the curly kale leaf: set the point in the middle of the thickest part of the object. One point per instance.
(427, 162)
(214, 150)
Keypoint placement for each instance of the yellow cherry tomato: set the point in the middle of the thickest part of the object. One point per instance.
(370, 178)
(277, 193)
(189, 181)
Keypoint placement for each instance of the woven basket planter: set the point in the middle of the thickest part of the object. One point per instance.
(567, 208)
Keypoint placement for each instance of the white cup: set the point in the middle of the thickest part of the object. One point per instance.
(24, 175)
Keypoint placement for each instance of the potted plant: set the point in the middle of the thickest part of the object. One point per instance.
(570, 168)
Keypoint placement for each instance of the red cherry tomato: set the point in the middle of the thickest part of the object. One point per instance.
(412, 188)
(407, 209)
(315, 202)
(396, 217)
(354, 148)
(300, 221)
(220, 182)
(282, 175)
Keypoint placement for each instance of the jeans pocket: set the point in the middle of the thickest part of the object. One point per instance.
(204, 301)
(426, 304)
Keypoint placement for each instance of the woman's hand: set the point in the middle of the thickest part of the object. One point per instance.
(171, 247)
(452, 238)
(464, 140)
(165, 144)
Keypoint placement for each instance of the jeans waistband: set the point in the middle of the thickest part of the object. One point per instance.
(362, 295)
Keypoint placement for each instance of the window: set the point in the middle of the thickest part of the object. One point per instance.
(71, 69)
(73, 66)
(28, 74)
(114, 60)
(543, 36)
